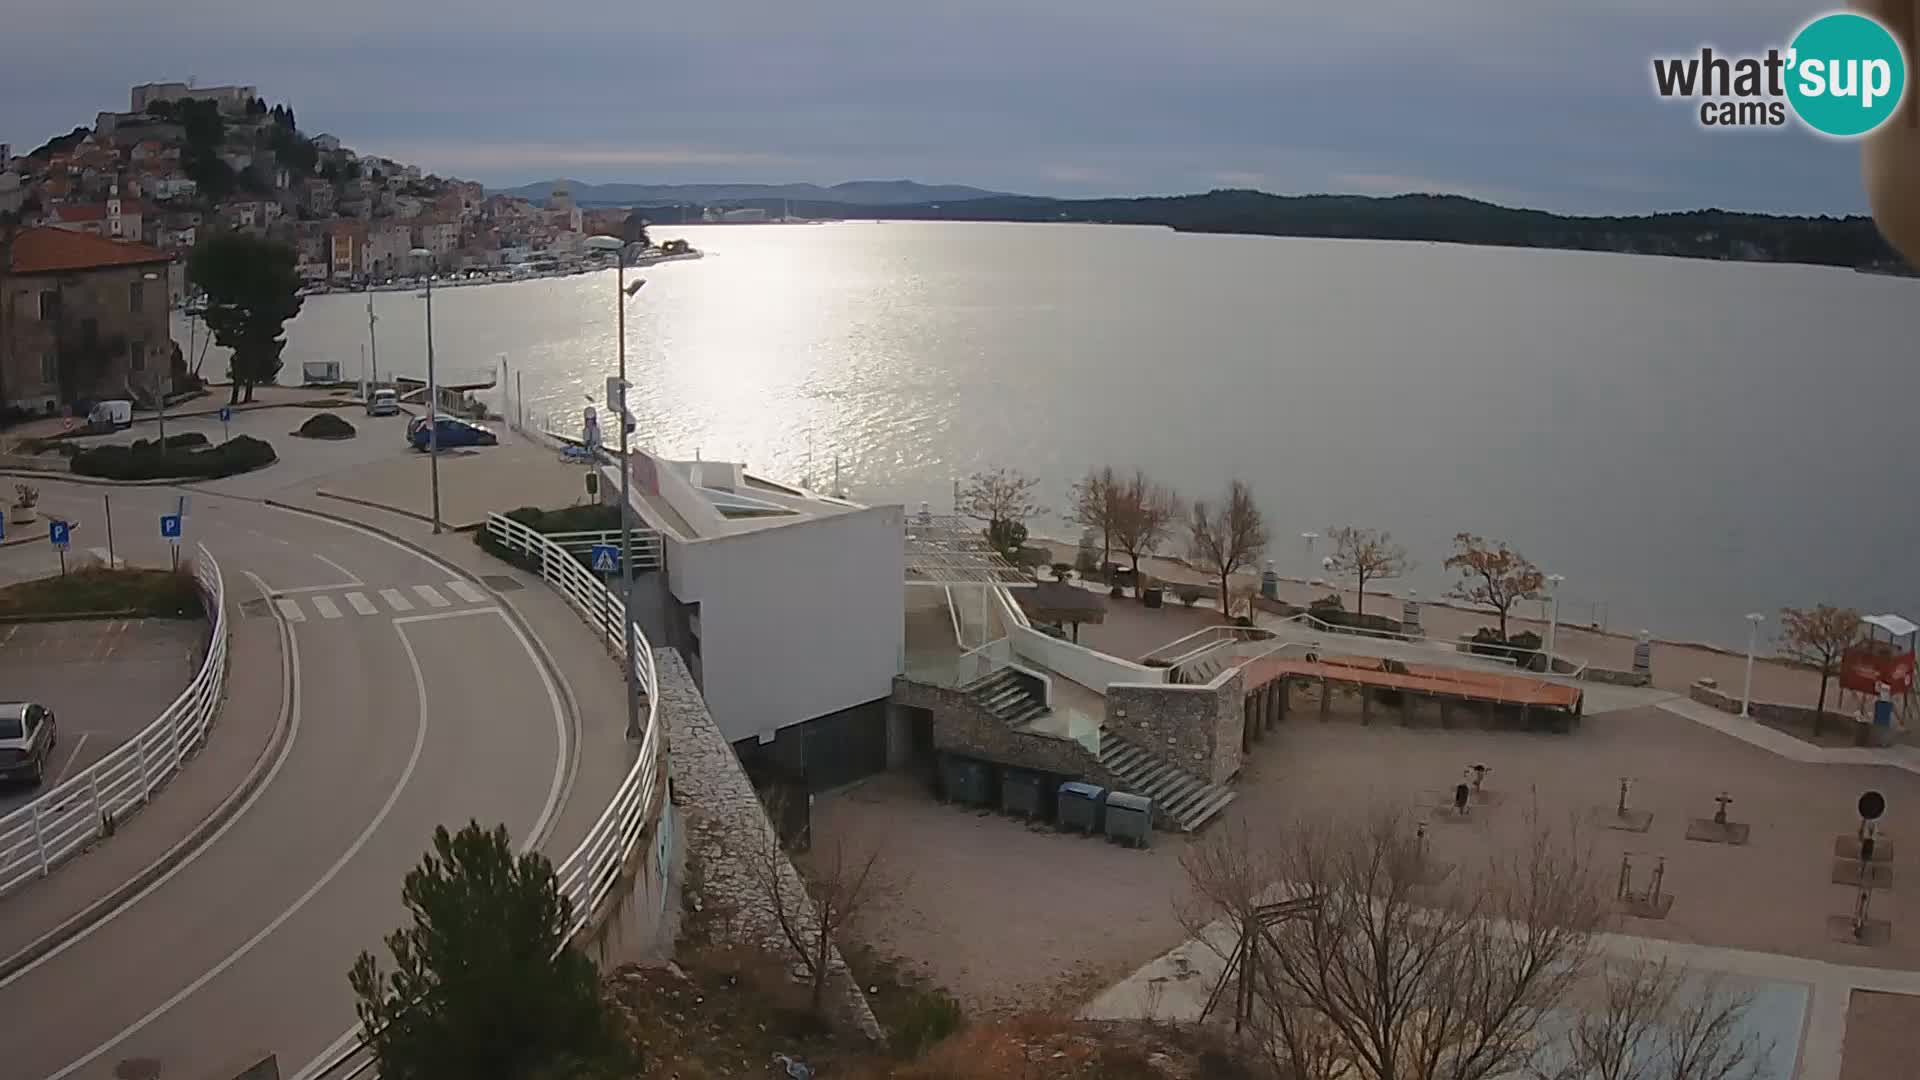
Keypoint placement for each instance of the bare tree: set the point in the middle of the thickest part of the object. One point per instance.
(1390, 976)
(1003, 498)
(1367, 554)
(1492, 575)
(812, 912)
(1656, 1021)
(1094, 505)
(1145, 515)
(1819, 637)
(1228, 538)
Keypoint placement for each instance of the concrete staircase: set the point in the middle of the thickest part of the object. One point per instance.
(1179, 796)
(1010, 696)
(1202, 671)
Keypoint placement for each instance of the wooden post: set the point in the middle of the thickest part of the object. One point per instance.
(1366, 705)
(1446, 712)
(1248, 705)
(1280, 704)
(1326, 696)
(1406, 708)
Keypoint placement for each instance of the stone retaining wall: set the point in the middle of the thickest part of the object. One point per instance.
(961, 726)
(1618, 678)
(1198, 728)
(725, 825)
(1761, 710)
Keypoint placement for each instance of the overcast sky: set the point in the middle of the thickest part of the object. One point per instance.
(1532, 102)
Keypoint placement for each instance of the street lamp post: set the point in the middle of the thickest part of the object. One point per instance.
(433, 396)
(1553, 619)
(1310, 538)
(1754, 619)
(160, 377)
(621, 293)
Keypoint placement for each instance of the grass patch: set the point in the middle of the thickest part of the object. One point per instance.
(162, 594)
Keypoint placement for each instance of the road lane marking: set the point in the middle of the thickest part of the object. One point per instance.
(72, 756)
(289, 717)
(566, 765)
(335, 587)
(432, 596)
(326, 607)
(466, 591)
(361, 604)
(290, 609)
(352, 579)
(396, 601)
(247, 946)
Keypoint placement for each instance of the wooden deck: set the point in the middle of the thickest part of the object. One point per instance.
(1459, 684)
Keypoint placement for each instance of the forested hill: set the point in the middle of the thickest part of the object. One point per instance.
(1708, 234)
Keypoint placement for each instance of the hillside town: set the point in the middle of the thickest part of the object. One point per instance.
(96, 227)
(182, 160)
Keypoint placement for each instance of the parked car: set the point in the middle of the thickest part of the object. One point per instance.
(383, 403)
(452, 431)
(27, 734)
(110, 416)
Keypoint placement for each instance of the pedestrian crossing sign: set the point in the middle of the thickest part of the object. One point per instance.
(606, 559)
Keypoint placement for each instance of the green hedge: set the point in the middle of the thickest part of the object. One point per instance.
(591, 517)
(143, 460)
(325, 426)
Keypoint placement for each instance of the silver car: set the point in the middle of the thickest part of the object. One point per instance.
(27, 734)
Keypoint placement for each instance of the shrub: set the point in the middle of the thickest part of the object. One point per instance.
(930, 1018)
(1329, 602)
(144, 460)
(1523, 648)
(26, 496)
(325, 425)
(185, 440)
(1188, 594)
(1061, 570)
(589, 517)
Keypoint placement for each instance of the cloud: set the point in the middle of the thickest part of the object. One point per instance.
(1240, 179)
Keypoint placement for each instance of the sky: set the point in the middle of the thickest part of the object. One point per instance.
(1539, 103)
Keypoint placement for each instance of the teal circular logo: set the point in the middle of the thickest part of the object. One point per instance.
(1846, 74)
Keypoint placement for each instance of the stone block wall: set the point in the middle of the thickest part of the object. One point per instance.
(1197, 728)
(725, 824)
(1619, 678)
(961, 726)
(1762, 710)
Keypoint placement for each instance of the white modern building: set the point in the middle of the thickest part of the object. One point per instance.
(786, 604)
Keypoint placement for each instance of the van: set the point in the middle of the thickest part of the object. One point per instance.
(110, 416)
(383, 403)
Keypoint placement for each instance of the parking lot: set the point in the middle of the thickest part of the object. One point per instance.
(104, 679)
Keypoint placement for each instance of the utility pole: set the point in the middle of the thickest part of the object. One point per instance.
(373, 349)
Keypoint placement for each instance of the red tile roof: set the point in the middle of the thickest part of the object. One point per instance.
(96, 211)
(44, 250)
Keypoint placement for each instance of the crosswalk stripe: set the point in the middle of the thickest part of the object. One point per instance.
(290, 608)
(361, 604)
(396, 601)
(326, 607)
(432, 596)
(466, 591)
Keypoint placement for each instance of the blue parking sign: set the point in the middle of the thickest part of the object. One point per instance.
(57, 532)
(170, 526)
(605, 559)
(226, 414)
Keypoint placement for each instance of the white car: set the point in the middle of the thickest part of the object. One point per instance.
(383, 403)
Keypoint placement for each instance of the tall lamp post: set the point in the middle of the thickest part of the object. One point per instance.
(1310, 538)
(1754, 619)
(1553, 619)
(621, 293)
(433, 393)
(160, 377)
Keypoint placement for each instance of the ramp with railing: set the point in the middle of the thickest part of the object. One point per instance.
(91, 803)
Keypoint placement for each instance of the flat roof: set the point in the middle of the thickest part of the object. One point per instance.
(946, 549)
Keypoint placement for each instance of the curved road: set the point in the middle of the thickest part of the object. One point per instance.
(411, 703)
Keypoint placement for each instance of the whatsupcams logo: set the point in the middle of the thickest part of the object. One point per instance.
(1843, 75)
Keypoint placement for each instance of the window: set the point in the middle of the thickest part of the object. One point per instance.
(49, 306)
(11, 727)
(49, 368)
(134, 296)
(137, 355)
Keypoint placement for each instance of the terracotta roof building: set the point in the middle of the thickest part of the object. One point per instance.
(81, 316)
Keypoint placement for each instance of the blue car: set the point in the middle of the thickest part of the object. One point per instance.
(453, 432)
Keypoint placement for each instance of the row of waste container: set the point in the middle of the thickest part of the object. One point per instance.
(1073, 804)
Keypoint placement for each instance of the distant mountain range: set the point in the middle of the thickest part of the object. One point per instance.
(851, 193)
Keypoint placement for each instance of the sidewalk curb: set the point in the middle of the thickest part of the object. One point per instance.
(94, 912)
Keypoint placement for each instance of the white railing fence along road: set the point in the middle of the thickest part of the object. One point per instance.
(91, 803)
(587, 876)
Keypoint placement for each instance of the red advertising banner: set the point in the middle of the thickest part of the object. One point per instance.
(1864, 668)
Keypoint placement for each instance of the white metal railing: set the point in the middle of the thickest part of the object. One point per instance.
(1184, 649)
(92, 802)
(648, 549)
(588, 875)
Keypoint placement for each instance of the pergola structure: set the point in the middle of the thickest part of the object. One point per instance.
(947, 549)
(1062, 604)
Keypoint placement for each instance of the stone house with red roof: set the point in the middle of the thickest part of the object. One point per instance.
(81, 316)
